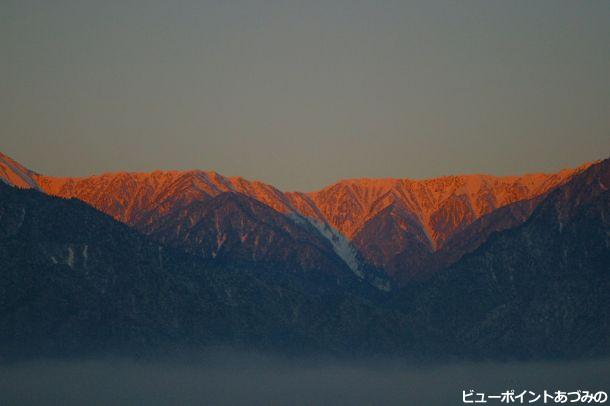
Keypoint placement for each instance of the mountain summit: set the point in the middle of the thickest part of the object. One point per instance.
(199, 259)
(405, 227)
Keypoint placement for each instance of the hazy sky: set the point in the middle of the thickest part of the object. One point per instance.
(303, 93)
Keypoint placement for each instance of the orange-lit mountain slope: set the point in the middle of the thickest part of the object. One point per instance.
(140, 199)
(395, 224)
(440, 205)
(15, 174)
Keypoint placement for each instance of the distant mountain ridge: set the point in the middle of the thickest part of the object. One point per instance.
(15, 174)
(535, 290)
(75, 281)
(530, 279)
(384, 220)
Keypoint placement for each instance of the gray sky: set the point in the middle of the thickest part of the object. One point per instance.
(303, 93)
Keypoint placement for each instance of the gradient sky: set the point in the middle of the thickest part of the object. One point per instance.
(303, 93)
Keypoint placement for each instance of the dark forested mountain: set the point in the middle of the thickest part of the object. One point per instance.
(235, 228)
(524, 272)
(75, 280)
(407, 228)
(537, 290)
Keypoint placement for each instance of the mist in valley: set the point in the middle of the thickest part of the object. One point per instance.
(241, 378)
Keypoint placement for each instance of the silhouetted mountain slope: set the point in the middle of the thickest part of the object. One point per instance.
(541, 289)
(408, 228)
(235, 228)
(414, 262)
(166, 205)
(428, 225)
(394, 240)
(73, 280)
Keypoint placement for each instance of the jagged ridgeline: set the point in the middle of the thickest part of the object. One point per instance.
(75, 280)
(406, 228)
(471, 266)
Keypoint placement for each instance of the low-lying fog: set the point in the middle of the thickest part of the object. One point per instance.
(225, 378)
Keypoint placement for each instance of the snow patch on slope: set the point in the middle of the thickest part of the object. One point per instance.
(341, 245)
(70, 260)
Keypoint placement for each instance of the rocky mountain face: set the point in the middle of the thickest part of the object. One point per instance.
(235, 228)
(13, 173)
(222, 267)
(423, 217)
(440, 205)
(406, 228)
(536, 290)
(213, 216)
(75, 281)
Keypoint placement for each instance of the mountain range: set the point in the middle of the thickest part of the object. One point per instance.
(404, 228)
(463, 265)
